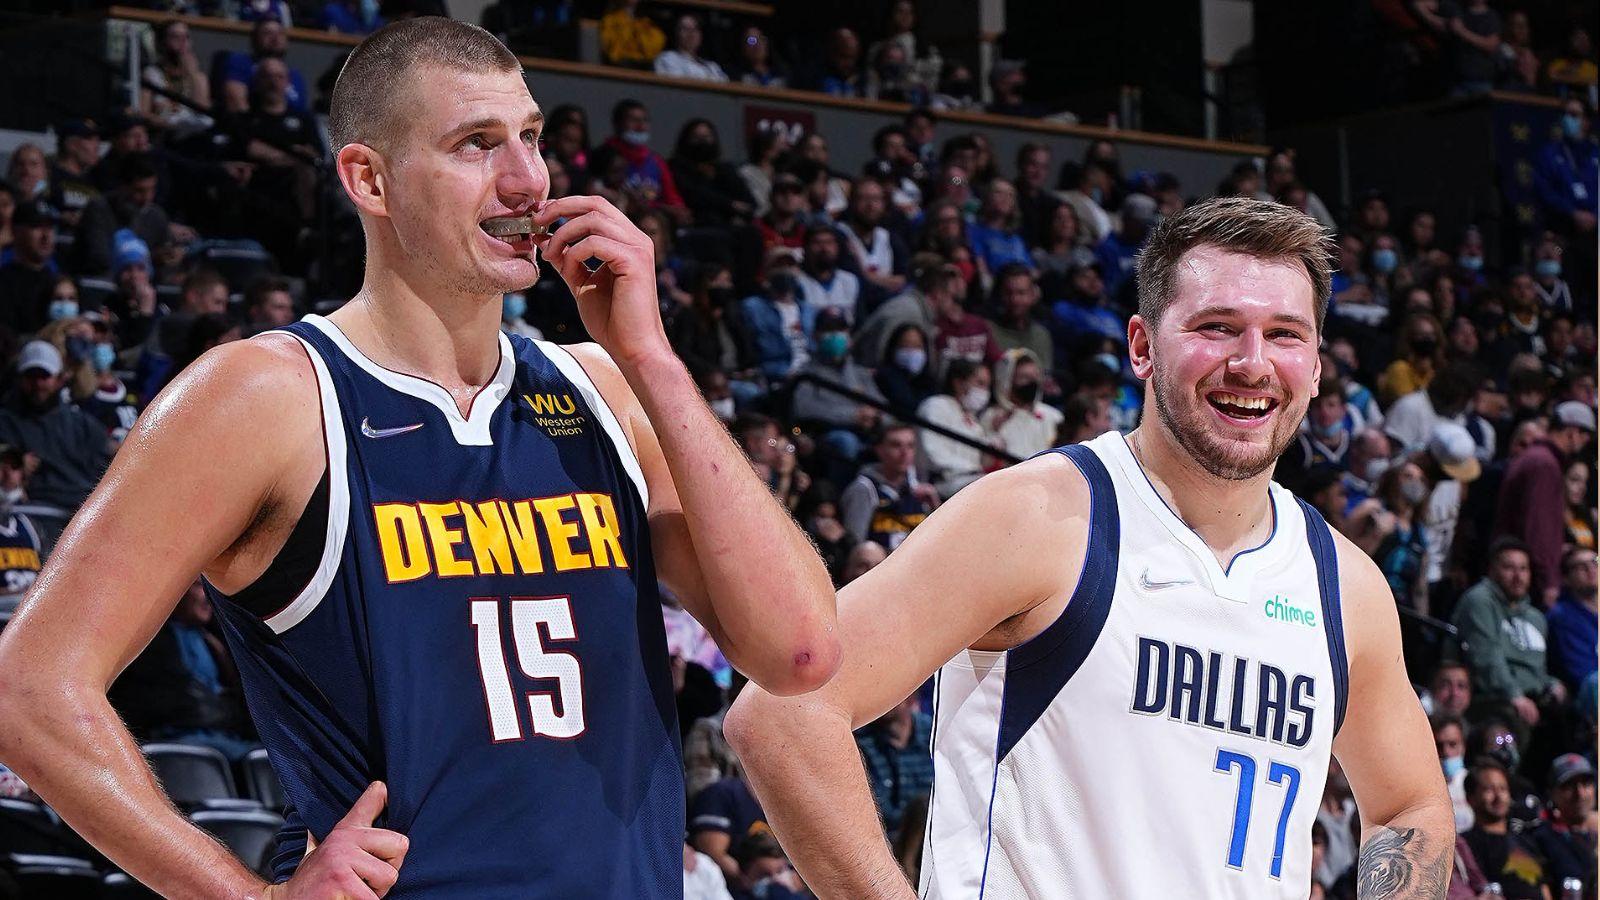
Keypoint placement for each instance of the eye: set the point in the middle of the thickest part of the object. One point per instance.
(1285, 334)
(476, 142)
(1215, 328)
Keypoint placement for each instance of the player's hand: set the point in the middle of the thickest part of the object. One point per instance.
(617, 301)
(355, 862)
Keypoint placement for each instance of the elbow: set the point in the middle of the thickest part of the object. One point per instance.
(811, 665)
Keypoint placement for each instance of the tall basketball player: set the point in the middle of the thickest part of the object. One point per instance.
(434, 549)
(1146, 652)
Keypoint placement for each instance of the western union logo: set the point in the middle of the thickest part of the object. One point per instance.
(498, 537)
(555, 413)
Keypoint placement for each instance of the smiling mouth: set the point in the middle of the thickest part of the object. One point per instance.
(512, 229)
(1235, 406)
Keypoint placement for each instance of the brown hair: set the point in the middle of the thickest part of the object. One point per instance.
(363, 108)
(1259, 228)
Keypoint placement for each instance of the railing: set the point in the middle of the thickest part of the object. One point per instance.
(907, 416)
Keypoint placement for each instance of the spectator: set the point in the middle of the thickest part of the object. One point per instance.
(905, 371)
(1475, 33)
(1059, 250)
(1533, 496)
(205, 332)
(645, 175)
(176, 69)
(919, 305)
(958, 89)
(890, 76)
(135, 306)
(351, 17)
(77, 152)
(721, 816)
(1519, 65)
(1505, 856)
(1365, 463)
(1567, 174)
(756, 65)
(1574, 72)
(764, 872)
(836, 196)
(70, 446)
(268, 304)
(1337, 815)
(960, 334)
(955, 465)
(1085, 416)
(28, 172)
(1036, 202)
(844, 420)
(1322, 488)
(705, 336)
(1007, 80)
(20, 547)
(710, 185)
(1016, 297)
(1505, 637)
(841, 72)
(702, 879)
(899, 764)
(994, 234)
(823, 285)
(627, 38)
(1417, 357)
(886, 500)
(783, 224)
(1573, 622)
(131, 205)
(8, 208)
(1449, 691)
(1117, 251)
(1412, 419)
(767, 146)
(1023, 423)
(863, 558)
(1580, 530)
(1281, 175)
(268, 40)
(1401, 551)
(284, 144)
(684, 59)
(1088, 190)
(1450, 740)
(1450, 463)
(1086, 316)
(780, 323)
(878, 256)
(1567, 839)
(26, 280)
(1324, 440)
(109, 403)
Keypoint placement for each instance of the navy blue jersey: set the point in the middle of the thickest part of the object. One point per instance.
(482, 632)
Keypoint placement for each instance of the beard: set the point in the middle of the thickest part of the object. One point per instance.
(1182, 416)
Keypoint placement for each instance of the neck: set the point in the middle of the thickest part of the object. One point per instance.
(68, 164)
(1588, 600)
(1230, 516)
(1494, 826)
(450, 338)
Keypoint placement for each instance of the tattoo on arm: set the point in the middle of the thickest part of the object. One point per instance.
(1396, 864)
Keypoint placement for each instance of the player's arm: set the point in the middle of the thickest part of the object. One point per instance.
(746, 572)
(194, 474)
(1386, 749)
(1000, 548)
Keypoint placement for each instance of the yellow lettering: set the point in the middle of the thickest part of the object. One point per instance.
(444, 539)
(486, 534)
(524, 535)
(564, 405)
(400, 537)
(600, 521)
(561, 533)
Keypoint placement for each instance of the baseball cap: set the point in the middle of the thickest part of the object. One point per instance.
(40, 355)
(32, 213)
(1453, 448)
(1139, 208)
(1575, 413)
(77, 128)
(128, 249)
(787, 182)
(1568, 766)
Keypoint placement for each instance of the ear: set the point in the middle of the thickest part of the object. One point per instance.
(363, 174)
(1140, 338)
(1316, 376)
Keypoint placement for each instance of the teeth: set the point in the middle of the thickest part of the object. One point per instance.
(1243, 402)
(508, 226)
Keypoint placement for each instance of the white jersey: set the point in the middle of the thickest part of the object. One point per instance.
(1167, 736)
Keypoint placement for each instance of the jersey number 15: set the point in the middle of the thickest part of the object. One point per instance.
(536, 660)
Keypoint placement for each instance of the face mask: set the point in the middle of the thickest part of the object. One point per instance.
(833, 345)
(1110, 361)
(1471, 263)
(1025, 394)
(1424, 346)
(1385, 260)
(1572, 126)
(63, 309)
(1414, 492)
(9, 499)
(1375, 469)
(1452, 766)
(1327, 431)
(513, 307)
(974, 399)
(104, 356)
(720, 296)
(912, 359)
(723, 408)
(1547, 268)
(700, 151)
(636, 138)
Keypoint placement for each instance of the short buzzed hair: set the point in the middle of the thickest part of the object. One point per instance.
(1259, 228)
(364, 97)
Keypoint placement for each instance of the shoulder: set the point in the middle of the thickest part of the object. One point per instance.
(269, 378)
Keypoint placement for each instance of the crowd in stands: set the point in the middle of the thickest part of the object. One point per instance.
(876, 341)
(1459, 48)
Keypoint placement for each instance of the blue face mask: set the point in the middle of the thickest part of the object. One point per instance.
(833, 345)
(1327, 431)
(63, 309)
(1572, 126)
(1385, 260)
(636, 138)
(513, 307)
(1110, 361)
(1452, 766)
(104, 356)
(1547, 268)
(1471, 263)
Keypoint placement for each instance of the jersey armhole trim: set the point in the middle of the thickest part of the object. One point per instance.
(333, 442)
(569, 366)
(1326, 555)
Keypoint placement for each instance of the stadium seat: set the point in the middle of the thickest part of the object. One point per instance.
(240, 261)
(27, 827)
(192, 775)
(56, 877)
(250, 834)
(122, 886)
(260, 781)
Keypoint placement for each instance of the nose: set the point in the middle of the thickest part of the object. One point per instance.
(1249, 360)
(521, 176)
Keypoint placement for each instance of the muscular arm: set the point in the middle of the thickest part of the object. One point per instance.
(954, 579)
(187, 483)
(1386, 750)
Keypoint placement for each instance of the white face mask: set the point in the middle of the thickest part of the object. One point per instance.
(974, 399)
(723, 408)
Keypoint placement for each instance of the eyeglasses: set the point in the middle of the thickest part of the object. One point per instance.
(783, 446)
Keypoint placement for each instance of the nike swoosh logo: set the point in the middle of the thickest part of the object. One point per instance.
(369, 431)
(1147, 584)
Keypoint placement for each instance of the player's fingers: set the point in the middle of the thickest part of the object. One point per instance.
(574, 268)
(367, 806)
(380, 875)
(349, 885)
(571, 231)
(382, 843)
(571, 207)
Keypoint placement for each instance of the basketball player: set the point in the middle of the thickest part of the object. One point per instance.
(433, 549)
(1146, 652)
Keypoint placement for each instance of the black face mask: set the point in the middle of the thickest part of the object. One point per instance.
(1424, 346)
(719, 297)
(1025, 394)
(780, 284)
(700, 151)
